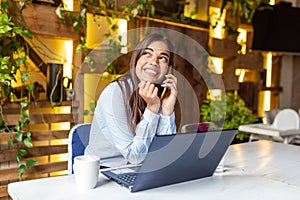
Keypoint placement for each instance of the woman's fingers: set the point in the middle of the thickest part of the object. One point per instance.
(148, 92)
(171, 83)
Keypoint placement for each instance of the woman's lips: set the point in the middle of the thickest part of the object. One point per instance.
(151, 71)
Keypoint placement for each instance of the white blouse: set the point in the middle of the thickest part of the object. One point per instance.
(111, 136)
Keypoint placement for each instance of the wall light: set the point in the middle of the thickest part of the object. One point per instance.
(68, 46)
(218, 31)
(215, 64)
(268, 62)
(122, 23)
(214, 94)
(68, 5)
(241, 74)
(242, 40)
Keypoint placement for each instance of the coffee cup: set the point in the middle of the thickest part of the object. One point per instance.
(86, 170)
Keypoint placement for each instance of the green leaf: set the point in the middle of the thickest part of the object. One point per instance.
(4, 5)
(87, 59)
(1, 122)
(27, 134)
(19, 158)
(10, 142)
(30, 87)
(152, 10)
(92, 105)
(17, 30)
(86, 112)
(53, 104)
(26, 121)
(30, 163)
(25, 113)
(19, 136)
(21, 169)
(22, 60)
(22, 152)
(75, 26)
(27, 33)
(17, 127)
(25, 77)
(79, 48)
(28, 142)
(23, 103)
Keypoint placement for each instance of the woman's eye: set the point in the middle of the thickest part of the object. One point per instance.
(146, 53)
(164, 59)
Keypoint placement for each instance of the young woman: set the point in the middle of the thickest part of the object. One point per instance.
(131, 109)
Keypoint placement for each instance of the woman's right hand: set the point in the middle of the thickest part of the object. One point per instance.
(148, 92)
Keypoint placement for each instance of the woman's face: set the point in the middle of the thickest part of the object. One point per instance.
(152, 66)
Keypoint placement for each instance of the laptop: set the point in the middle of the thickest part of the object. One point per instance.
(174, 159)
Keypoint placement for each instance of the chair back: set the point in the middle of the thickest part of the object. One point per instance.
(195, 127)
(79, 137)
(286, 119)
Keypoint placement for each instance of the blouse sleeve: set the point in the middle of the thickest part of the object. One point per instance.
(111, 109)
(166, 125)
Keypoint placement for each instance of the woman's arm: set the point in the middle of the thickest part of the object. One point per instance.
(112, 113)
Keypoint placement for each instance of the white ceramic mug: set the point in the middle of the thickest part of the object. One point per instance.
(86, 170)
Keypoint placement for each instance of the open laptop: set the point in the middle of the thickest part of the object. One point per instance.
(176, 158)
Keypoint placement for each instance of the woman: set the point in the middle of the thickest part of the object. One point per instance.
(131, 110)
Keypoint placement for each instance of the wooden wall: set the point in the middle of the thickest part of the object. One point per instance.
(49, 128)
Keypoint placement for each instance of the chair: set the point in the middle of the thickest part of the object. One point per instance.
(79, 137)
(195, 127)
(286, 127)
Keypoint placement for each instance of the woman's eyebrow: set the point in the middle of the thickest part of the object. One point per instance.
(162, 53)
(147, 48)
(166, 54)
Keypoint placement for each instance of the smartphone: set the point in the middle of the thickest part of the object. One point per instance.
(165, 88)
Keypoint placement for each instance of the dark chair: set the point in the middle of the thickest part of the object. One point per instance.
(78, 140)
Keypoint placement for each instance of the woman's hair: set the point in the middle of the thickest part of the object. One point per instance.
(135, 104)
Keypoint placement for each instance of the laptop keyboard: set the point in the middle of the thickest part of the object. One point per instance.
(128, 178)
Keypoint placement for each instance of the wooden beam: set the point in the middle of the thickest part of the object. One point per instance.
(42, 135)
(40, 104)
(12, 173)
(3, 191)
(13, 119)
(42, 19)
(10, 155)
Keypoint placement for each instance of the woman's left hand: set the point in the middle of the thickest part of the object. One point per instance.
(169, 100)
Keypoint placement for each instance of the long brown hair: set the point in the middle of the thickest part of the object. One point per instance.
(135, 105)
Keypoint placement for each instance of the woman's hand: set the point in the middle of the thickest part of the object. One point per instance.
(148, 92)
(169, 100)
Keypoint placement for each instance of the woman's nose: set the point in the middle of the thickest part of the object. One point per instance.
(154, 60)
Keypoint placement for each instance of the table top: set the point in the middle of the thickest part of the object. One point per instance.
(256, 170)
(266, 129)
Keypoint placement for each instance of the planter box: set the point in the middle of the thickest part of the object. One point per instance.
(222, 48)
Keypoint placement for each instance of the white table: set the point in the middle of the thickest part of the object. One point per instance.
(269, 131)
(257, 170)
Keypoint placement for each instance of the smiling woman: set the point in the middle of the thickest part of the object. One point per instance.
(130, 111)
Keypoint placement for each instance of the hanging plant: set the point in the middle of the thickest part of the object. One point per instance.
(242, 11)
(14, 51)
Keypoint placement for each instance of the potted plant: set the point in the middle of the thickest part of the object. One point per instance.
(228, 113)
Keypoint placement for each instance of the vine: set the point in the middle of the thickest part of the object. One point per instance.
(14, 50)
